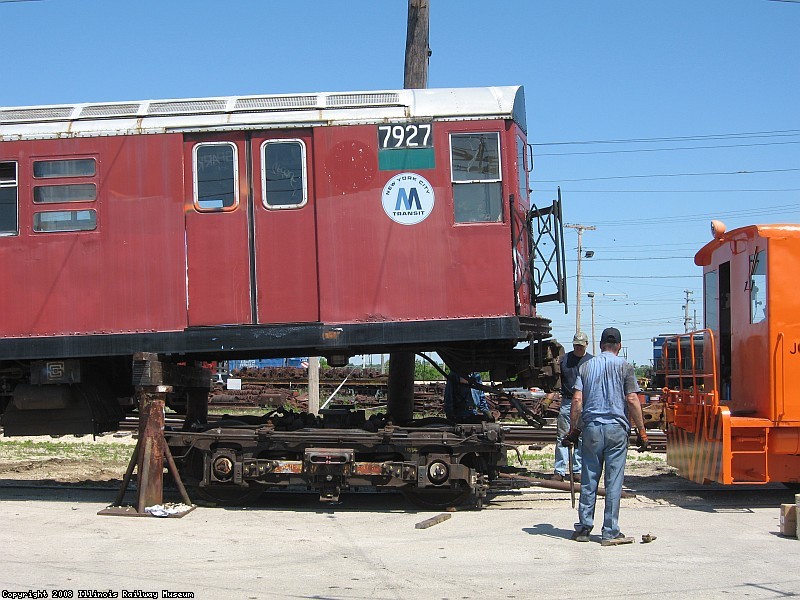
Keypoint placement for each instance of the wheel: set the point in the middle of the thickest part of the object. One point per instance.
(438, 499)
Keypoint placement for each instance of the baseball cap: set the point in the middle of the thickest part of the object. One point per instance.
(611, 335)
(580, 339)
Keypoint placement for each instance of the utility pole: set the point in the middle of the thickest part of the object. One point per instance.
(591, 297)
(687, 320)
(400, 403)
(580, 229)
(418, 51)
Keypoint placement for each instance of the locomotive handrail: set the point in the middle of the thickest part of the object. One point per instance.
(778, 344)
(518, 228)
(680, 375)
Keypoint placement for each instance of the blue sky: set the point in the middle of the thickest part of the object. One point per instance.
(713, 88)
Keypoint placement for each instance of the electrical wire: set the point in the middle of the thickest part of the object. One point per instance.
(670, 175)
(683, 138)
(718, 191)
(673, 149)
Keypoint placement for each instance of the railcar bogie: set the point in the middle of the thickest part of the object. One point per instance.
(434, 463)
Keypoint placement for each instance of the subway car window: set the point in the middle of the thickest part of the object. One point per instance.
(80, 167)
(8, 198)
(475, 172)
(283, 173)
(77, 192)
(64, 220)
(215, 176)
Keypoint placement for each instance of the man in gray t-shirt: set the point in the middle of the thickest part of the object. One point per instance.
(604, 404)
(569, 364)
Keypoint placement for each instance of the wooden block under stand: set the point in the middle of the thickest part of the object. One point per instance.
(788, 520)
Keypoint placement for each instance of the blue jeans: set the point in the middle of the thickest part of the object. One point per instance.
(562, 454)
(602, 445)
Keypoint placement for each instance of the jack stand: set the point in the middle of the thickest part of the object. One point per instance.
(151, 448)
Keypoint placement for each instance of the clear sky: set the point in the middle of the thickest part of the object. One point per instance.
(653, 117)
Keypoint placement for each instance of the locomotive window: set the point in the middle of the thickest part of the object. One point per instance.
(283, 173)
(711, 300)
(8, 198)
(758, 287)
(78, 167)
(215, 176)
(80, 192)
(475, 172)
(65, 220)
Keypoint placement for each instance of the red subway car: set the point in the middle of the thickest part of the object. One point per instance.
(327, 224)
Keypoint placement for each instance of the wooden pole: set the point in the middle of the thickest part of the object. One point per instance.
(400, 404)
(313, 385)
(417, 45)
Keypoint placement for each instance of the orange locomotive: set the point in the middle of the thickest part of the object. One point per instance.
(734, 408)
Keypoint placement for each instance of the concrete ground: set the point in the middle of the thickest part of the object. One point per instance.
(711, 544)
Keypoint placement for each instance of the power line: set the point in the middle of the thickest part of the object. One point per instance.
(684, 138)
(719, 191)
(674, 148)
(669, 175)
(750, 212)
(638, 276)
(637, 258)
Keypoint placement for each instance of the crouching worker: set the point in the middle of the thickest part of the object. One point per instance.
(604, 403)
(462, 403)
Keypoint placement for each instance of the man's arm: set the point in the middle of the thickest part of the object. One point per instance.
(635, 411)
(576, 410)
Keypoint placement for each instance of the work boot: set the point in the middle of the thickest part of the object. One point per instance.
(581, 535)
(617, 541)
(557, 477)
(577, 477)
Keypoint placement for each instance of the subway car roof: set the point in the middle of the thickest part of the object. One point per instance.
(261, 112)
(703, 256)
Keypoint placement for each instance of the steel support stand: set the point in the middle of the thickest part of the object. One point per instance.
(152, 453)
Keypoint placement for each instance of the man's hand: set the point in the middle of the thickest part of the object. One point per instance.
(571, 438)
(642, 442)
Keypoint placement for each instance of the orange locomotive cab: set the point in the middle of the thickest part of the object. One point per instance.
(734, 408)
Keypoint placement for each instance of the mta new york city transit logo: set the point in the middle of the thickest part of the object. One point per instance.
(408, 198)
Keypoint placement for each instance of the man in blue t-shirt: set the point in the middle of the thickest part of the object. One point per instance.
(604, 403)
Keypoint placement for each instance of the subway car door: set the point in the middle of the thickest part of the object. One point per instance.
(219, 257)
(284, 238)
